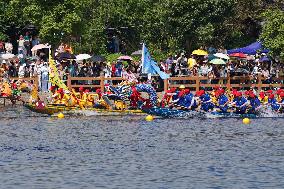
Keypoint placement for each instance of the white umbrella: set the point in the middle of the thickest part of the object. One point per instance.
(7, 56)
(221, 55)
(83, 57)
(38, 47)
(217, 61)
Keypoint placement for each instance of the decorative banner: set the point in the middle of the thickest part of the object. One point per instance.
(149, 66)
(54, 76)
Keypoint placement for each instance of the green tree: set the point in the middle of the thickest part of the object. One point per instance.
(273, 31)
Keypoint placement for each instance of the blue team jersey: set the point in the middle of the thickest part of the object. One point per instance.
(223, 99)
(206, 105)
(239, 102)
(274, 105)
(255, 102)
(188, 101)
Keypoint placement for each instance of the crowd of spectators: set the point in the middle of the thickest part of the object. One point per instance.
(200, 66)
(28, 64)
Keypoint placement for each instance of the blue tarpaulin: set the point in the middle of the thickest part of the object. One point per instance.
(251, 49)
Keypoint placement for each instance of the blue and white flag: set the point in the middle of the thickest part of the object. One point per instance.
(149, 66)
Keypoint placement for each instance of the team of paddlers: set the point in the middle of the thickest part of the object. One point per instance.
(224, 101)
(219, 99)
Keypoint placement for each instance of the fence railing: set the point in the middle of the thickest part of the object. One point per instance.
(240, 82)
(195, 83)
(94, 82)
(34, 80)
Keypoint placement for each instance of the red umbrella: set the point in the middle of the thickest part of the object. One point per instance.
(239, 55)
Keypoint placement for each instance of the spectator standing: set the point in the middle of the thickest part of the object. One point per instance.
(35, 41)
(22, 70)
(96, 69)
(21, 46)
(204, 70)
(12, 70)
(9, 47)
(183, 65)
(44, 77)
(169, 62)
(2, 48)
(118, 69)
(27, 43)
(191, 61)
(266, 75)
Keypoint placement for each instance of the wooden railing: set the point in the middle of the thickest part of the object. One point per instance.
(34, 80)
(99, 80)
(196, 83)
(193, 82)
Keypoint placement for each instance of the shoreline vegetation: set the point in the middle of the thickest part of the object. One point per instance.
(168, 27)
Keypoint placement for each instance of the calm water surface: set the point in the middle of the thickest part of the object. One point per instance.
(128, 152)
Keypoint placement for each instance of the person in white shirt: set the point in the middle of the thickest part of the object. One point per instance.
(21, 45)
(44, 77)
(22, 71)
(9, 47)
(204, 70)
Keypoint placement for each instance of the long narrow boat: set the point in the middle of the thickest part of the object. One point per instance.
(53, 109)
(174, 113)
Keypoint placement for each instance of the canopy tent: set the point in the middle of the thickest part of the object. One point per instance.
(250, 49)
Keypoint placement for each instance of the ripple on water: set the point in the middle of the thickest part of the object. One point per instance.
(128, 152)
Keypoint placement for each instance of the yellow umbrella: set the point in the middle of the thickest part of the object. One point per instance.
(200, 52)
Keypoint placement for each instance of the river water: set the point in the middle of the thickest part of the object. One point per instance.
(128, 152)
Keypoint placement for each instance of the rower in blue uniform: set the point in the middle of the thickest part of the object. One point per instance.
(190, 102)
(273, 103)
(223, 101)
(240, 103)
(254, 103)
(206, 102)
(179, 100)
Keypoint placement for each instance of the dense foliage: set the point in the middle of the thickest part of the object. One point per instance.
(273, 32)
(166, 25)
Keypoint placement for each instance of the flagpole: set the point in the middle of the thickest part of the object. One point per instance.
(143, 58)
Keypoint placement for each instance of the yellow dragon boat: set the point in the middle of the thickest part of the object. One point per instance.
(51, 109)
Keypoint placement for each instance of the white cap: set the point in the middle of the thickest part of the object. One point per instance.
(4, 62)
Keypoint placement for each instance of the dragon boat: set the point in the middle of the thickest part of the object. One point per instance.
(52, 109)
(176, 113)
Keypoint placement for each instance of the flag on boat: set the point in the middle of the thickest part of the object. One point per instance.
(149, 66)
(54, 76)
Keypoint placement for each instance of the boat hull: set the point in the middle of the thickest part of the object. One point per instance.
(174, 113)
(51, 109)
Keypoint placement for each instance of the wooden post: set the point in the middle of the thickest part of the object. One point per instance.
(36, 83)
(259, 84)
(228, 81)
(197, 80)
(69, 83)
(102, 83)
(166, 83)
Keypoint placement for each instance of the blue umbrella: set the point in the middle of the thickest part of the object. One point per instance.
(264, 59)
